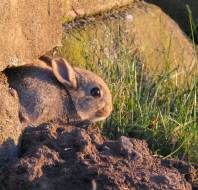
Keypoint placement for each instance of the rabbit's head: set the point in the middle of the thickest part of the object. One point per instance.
(90, 94)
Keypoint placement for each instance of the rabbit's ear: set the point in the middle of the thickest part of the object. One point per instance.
(64, 73)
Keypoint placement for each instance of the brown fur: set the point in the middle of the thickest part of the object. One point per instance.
(44, 95)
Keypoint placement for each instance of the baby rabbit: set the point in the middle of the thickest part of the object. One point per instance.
(60, 92)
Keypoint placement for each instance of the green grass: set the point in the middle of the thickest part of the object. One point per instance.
(152, 109)
(157, 111)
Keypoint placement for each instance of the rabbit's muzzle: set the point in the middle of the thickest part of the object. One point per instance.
(103, 113)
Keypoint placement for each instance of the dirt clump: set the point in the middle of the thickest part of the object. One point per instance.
(67, 157)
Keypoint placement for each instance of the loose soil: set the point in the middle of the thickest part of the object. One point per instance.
(66, 157)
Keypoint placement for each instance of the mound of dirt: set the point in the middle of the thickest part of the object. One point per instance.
(67, 157)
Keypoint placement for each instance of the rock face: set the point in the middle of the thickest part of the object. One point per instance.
(66, 157)
(10, 128)
(142, 29)
(28, 29)
(177, 10)
(74, 8)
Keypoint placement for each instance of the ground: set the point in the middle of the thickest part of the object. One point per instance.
(60, 157)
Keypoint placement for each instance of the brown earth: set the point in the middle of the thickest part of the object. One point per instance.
(66, 157)
(28, 29)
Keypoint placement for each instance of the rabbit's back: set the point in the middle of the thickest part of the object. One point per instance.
(42, 97)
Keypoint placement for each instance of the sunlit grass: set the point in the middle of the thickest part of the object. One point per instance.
(157, 111)
(154, 109)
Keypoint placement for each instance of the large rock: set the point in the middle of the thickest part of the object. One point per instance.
(177, 9)
(28, 29)
(10, 127)
(75, 8)
(142, 29)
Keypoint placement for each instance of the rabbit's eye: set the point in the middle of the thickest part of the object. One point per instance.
(95, 92)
